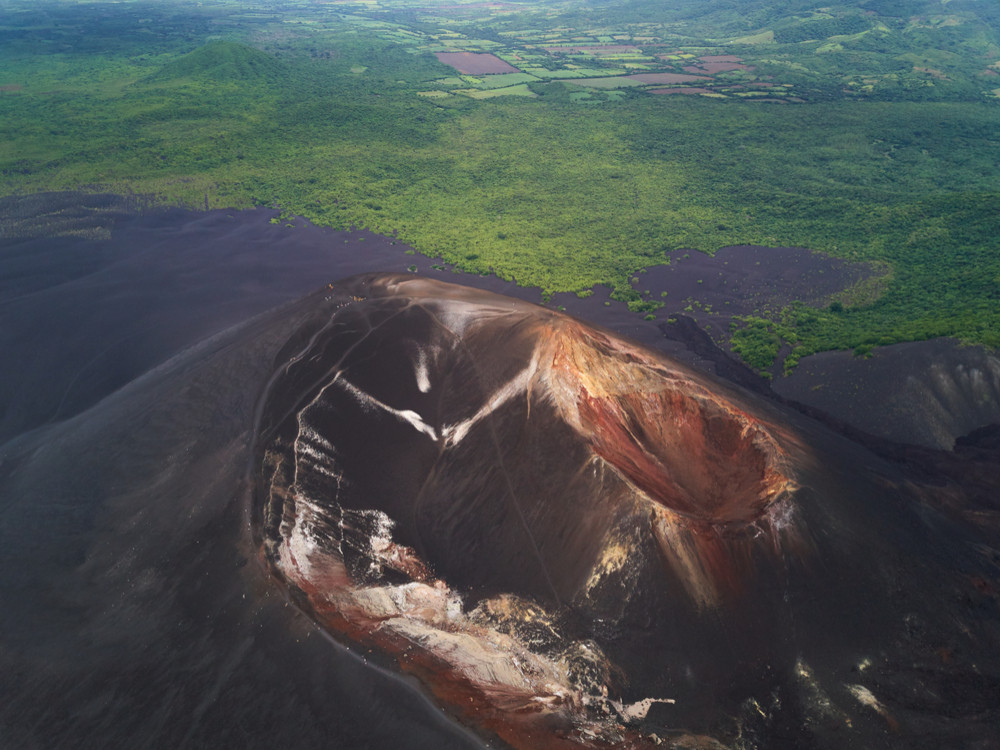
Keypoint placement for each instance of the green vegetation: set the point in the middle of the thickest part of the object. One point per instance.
(223, 61)
(489, 92)
(884, 150)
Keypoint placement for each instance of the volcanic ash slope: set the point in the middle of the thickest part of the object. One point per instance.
(576, 541)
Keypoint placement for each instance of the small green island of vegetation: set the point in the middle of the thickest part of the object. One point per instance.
(560, 144)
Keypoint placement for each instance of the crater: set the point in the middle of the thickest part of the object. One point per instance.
(694, 453)
(479, 487)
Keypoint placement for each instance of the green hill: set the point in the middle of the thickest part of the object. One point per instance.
(224, 62)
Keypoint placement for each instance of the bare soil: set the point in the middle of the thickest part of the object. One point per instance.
(475, 63)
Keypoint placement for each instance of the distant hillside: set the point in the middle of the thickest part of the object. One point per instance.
(798, 20)
(223, 62)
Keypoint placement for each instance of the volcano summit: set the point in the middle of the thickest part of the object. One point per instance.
(575, 541)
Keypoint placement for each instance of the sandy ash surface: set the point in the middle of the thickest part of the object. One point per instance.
(135, 341)
(746, 279)
(60, 249)
(926, 392)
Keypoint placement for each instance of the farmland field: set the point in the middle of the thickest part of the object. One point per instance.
(475, 63)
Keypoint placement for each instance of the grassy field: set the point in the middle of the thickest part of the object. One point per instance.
(561, 186)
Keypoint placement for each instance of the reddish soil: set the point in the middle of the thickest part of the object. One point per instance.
(713, 64)
(10, 87)
(475, 63)
(682, 90)
(697, 459)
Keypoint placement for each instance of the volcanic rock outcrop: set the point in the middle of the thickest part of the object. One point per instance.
(575, 541)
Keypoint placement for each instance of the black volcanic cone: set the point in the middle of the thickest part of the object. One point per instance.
(549, 526)
(132, 611)
(576, 541)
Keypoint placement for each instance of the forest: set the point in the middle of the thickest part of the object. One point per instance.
(866, 131)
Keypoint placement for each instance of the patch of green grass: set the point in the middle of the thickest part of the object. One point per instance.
(505, 80)
(519, 90)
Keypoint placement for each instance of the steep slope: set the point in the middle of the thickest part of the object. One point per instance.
(575, 541)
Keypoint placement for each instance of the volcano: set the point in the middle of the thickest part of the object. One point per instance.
(238, 511)
(575, 541)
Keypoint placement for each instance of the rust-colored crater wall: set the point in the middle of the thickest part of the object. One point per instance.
(695, 453)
